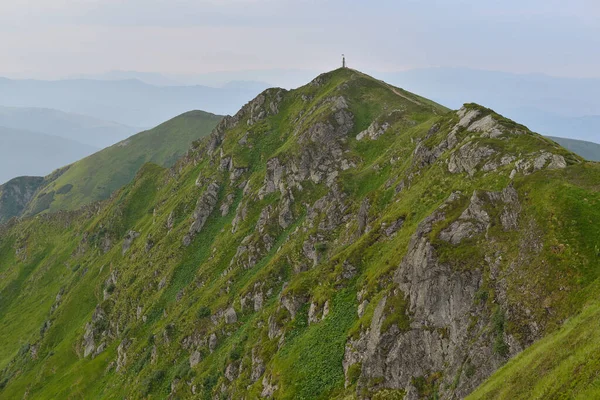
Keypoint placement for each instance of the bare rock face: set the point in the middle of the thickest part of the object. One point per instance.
(538, 161)
(16, 194)
(204, 207)
(195, 358)
(226, 204)
(476, 219)
(212, 342)
(268, 388)
(394, 227)
(258, 366)
(94, 331)
(363, 217)
(424, 156)
(122, 354)
(128, 241)
(273, 179)
(487, 126)
(232, 371)
(230, 316)
(468, 157)
(442, 337)
(374, 131)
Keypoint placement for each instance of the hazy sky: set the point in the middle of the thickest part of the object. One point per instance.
(57, 38)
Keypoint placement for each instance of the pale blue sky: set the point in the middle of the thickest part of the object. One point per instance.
(57, 38)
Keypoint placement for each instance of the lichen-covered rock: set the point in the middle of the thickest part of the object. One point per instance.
(204, 207)
(230, 316)
(441, 308)
(374, 131)
(363, 217)
(212, 342)
(468, 157)
(122, 354)
(258, 366)
(94, 330)
(476, 218)
(273, 179)
(269, 389)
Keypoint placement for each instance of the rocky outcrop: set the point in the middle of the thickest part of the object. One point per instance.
(476, 218)
(540, 161)
(95, 331)
(468, 157)
(442, 337)
(204, 207)
(16, 194)
(373, 131)
(273, 179)
(128, 240)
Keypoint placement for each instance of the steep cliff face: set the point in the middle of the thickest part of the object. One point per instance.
(16, 194)
(343, 240)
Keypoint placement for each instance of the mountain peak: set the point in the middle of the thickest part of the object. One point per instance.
(346, 239)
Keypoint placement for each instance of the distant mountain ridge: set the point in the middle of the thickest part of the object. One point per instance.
(32, 153)
(588, 150)
(81, 128)
(130, 102)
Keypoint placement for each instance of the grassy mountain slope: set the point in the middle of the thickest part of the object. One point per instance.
(96, 177)
(588, 150)
(562, 365)
(343, 240)
(32, 153)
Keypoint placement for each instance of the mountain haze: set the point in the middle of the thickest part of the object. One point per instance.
(344, 240)
(31, 153)
(81, 128)
(128, 102)
(587, 150)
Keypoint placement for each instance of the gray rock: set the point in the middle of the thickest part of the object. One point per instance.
(226, 204)
(374, 131)
(487, 126)
(258, 367)
(274, 178)
(363, 217)
(122, 354)
(468, 157)
(230, 316)
(441, 306)
(232, 371)
(268, 388)
(394, 227)
(204, 207)
(212, 342)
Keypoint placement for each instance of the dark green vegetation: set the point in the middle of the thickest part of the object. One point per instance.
(588, 150)
(96, 177)
(283, 257)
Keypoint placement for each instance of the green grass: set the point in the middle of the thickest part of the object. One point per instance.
(563, 365)
(317, 373)
(96, 177)
(167, 297)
